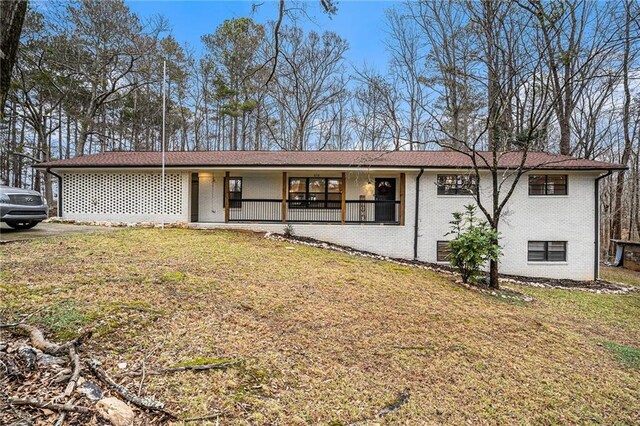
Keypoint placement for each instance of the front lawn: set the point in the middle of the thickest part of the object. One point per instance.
(326, 338)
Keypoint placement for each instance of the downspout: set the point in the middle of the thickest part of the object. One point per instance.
(596, 226)
(59, 190)
(417, 207)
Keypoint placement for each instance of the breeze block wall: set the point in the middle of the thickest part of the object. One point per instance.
(124, 196)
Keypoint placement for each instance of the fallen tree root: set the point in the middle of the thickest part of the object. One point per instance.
(50, 405)
(73, 381)
(204, 418)
(63, 415)
(221, 366)
(146, 403)
(402, 399)
(39, 342)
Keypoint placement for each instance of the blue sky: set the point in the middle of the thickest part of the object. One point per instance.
(361, 23)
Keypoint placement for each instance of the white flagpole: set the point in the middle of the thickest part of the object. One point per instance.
(164, 83)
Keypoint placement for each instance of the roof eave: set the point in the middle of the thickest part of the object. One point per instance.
(304, 166)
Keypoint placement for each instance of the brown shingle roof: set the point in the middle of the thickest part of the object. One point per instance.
(392, 159)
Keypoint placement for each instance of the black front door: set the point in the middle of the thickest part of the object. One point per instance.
(385, 197)
(195, 194)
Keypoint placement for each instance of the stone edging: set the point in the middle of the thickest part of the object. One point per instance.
(434, 268)
(182, 225)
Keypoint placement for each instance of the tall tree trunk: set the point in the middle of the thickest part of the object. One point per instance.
(637, 192)
(48, 184)
(82, 137)
(626, 152)
(60, 149)
(493, 82)
(18, 178)
(12, 13)
(14, 143)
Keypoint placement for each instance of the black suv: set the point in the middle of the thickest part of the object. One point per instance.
(22, 208)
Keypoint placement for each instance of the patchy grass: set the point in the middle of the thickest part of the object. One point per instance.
(627, 355)
(63, 319)
(326, 338)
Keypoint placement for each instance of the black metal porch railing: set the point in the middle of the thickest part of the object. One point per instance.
(356, 211)
(372, 211)
(255, 210)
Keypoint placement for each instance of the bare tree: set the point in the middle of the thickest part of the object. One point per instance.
(105, 43)
(307, 82)
(407, 68)
(629, 20)
(375, 114)
(451, 57)
(497, 171)
(576, 39)
(12, 14)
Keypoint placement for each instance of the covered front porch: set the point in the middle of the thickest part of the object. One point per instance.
(327, 197)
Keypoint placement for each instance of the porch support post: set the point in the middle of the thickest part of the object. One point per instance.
(343, 205)
(403, 181)
(226, 197)
(284, 197)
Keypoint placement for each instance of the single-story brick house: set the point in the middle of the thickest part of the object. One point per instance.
(396, 204)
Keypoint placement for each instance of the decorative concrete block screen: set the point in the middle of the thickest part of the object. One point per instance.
(121, 194)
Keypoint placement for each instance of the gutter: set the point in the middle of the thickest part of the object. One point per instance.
(415, 226)
(48, 170)
(596, 226)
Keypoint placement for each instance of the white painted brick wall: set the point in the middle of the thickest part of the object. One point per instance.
(527, 218)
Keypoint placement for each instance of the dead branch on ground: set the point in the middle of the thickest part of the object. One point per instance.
(49, 405)
(402, 399)
(39, 342)
(146, 403)
(221, 366)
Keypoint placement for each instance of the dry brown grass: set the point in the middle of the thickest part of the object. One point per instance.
(620, 275)
(321, 332)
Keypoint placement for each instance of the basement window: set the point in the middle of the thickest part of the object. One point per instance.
(443, 251)
(547, 251)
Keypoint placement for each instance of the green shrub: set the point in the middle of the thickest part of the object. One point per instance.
(475, 243)
(288, 230)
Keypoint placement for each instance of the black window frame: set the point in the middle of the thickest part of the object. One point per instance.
(546, 251)
(464, 189)
(235, 202)
(306, 203)
(445, 257)
(546, 185)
